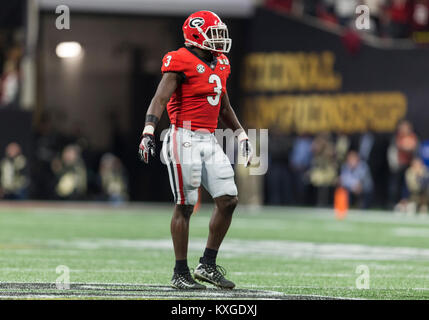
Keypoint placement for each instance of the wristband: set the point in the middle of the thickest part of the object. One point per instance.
(149, 129)
(151, 118)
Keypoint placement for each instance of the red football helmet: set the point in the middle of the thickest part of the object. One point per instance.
(205, 30)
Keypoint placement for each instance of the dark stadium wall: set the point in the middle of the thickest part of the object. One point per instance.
(12, 13)
(20, 131)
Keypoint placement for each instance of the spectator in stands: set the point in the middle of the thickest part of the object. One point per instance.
(390, 18)
(345, 10)
(323, 171)
(9, 78)
(406, 143)
(420, 15)
(310, 7)
(417, 182)
(342, 146)
(372, 149)
(13, 176)
(113, 179)
(300, 161)
(397, 18)
(281, 5)
(71, 174)
(356, 178)
(424, 152)
(366, 144)
(326, 13)
(47, 144)
(402, 150)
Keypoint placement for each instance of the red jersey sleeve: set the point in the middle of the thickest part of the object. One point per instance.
(172, 62)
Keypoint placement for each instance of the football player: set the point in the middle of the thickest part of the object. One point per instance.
(193, 89)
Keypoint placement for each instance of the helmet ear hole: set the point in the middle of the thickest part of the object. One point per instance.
(195, 36)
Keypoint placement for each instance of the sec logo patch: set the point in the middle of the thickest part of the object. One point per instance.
(201, 68)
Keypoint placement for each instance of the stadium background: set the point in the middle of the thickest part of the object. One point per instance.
(299, 68)
(99, 99)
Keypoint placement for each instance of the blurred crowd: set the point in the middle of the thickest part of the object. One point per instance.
(71, 177)
(389, 18)
(14, 179)
(306, 170)
(60, 170)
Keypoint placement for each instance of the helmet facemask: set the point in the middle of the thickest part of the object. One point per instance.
(216, 38)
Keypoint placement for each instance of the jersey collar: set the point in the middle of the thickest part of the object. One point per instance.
(211, 64)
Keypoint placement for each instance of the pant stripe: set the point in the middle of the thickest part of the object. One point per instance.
(178, 198)
(167, 157)
(178, 167)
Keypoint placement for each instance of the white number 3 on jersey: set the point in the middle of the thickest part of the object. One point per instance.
(167, 63)
(214, 100)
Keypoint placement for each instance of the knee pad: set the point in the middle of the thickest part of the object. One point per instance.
(194, 183)
(196, 175)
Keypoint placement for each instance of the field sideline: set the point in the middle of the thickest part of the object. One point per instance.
(271, 253)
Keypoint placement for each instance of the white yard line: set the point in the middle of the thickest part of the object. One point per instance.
(328, 275)
(91, 270)
(255, 273)
(280, 249)
(129, 291)
(411, 232)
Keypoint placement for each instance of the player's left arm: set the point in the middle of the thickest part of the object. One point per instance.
(228, 117)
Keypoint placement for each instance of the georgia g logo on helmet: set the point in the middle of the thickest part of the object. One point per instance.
(196, 22)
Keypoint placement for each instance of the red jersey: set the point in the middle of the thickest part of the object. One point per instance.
(197, 100)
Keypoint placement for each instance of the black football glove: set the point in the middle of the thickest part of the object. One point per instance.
(246, 151)
(147, 145)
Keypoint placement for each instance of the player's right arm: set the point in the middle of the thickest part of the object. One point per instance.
(168, 84)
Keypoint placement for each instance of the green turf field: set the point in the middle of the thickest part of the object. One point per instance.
(274, 253)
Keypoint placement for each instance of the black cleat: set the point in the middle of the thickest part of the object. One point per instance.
(185, 281)
(213, 274)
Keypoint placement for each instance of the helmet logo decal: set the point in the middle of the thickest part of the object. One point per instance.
(196, 22)
(201, 68)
